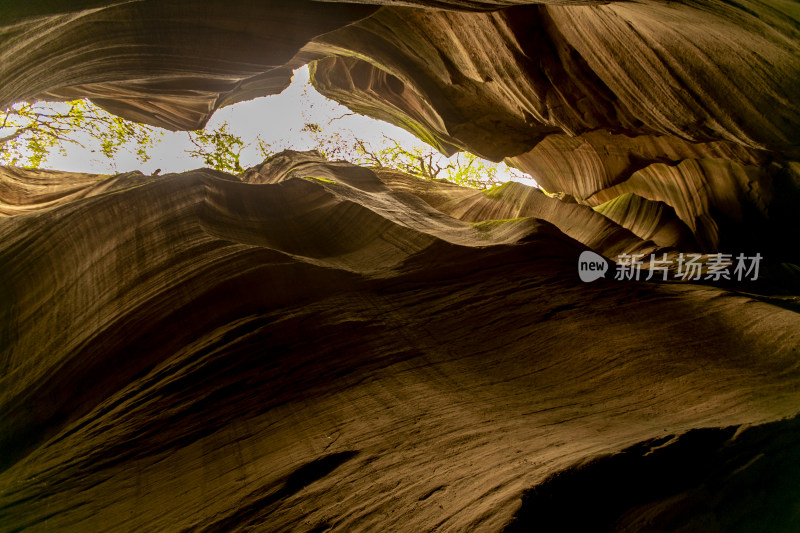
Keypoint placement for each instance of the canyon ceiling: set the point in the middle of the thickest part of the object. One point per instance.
(314, 346)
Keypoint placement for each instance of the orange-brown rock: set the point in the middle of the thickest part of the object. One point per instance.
(586, 99)
(314, 346)
(163, 63)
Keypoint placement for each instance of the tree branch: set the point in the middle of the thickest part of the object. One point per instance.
(8, 138)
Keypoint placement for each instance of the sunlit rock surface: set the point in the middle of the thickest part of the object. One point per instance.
(164, 63)
(314, 346)
(680, 103)
(311, 346)
(664, 100)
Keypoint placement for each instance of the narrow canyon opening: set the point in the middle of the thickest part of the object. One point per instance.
(553, 285)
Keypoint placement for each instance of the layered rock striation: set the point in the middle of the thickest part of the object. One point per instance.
(315, 346)
(684, 104)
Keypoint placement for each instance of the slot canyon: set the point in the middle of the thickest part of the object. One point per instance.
(316, 346)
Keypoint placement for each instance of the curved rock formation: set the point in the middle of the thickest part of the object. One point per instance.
(314, 346)
(585, 98)
(163, 63)
(653, 221)
(514, 200)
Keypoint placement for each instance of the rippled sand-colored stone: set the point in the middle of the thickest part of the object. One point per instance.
(314, 346)
(311, 346)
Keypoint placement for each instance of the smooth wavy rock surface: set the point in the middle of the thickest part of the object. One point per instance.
(679, 103)
(695, 96)
(697, 71)
(312, 346)
(515, 200)
(170, 64)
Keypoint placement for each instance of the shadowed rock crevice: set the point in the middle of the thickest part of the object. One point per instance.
(258, 511)
(249, 328)
(703, 480)
(315, 346)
